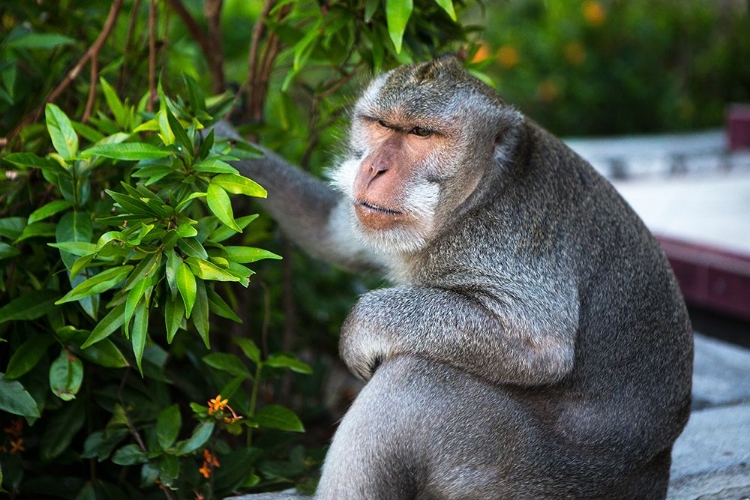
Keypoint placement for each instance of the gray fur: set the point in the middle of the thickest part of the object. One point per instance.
(536, 344)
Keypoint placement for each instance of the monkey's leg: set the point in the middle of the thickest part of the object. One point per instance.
(423, 430)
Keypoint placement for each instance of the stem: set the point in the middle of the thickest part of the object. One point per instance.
(210, 44)
(151, 55)
(254, 399)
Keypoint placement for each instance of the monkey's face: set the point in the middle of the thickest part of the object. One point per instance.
(422, 138)
(392, 180)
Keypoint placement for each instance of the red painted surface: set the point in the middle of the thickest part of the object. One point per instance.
(711, 277)
(738, 126)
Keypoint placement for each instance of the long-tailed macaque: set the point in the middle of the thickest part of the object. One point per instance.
(535, 343)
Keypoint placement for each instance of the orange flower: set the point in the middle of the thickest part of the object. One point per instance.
(575, 53)
(508, 56)
(210, 458)
(209, 462)
(482, 53)
(205, 470)
(547, 91)
(594, 13)
(216, 404)
(17, 446)
(14, 428)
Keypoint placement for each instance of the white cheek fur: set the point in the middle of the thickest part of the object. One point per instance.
(342, 177)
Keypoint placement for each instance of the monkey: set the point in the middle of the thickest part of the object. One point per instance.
(534, 344)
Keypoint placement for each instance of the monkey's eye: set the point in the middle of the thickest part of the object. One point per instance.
(421, 132)
(383, 124)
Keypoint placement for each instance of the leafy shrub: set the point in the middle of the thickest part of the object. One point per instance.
(123, 264)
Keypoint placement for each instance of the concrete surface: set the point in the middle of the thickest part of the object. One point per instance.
(711, 209)
(711, 459)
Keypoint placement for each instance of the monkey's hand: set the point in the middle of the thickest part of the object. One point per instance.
(503, 346)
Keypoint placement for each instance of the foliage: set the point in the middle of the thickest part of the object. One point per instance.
(605, 67)
(124, 260)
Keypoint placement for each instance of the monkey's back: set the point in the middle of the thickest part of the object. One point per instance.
(630, 389)
(628, 396)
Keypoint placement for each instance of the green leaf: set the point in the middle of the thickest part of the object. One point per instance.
(214, 166)
(278, 417)
(236, 468)
(201, 435)
(14, 399)
(8, 251)
(221, 206)
(447, 6)
(102, 282)
(222, 232)
(279, 360)
(105, 353)
(64, 137)
(130, 454)
(206, 270)
(228, 363)
(109, 323)
(132, 205)
(186, 286)
(77, 248)
(29, 160)
(371, 6)
(12, 227)
(74, 226)
(174, 314)
(244, 255)
(237, 184)
(28, 355)
(168, 425)
(62, 427)
(127, 151)
(170, 270)
(115, 104)
(206, 145)
(193, 248)
(397, 13)
(29, 306)
(99, 444)
(140, 333)
(249, 348)
(49, 210)
(37, 230)
(134, 297)
(182, 141)
(66, 375)
(147, 270)
(195, 94)
(218, 306)
(39, 41)
(200, 313)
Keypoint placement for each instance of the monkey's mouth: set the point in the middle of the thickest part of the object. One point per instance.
(376, 208)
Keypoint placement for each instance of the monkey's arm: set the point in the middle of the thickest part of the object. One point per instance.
(499, 339)
(309, 212)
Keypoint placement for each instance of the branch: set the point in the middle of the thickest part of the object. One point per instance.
(253, 91)
(210, 44)
(91, 53)
(151, 55)
(215, 57)
(128, 41)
